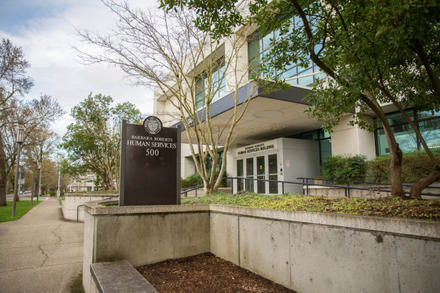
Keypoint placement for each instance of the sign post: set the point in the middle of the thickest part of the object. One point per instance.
(150, 164)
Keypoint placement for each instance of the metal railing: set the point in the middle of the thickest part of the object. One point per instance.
(347, 187)
(194, 188)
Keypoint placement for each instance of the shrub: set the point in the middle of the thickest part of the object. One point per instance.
(340, 169)
(191, 181)
(196, 180)
(414, 166)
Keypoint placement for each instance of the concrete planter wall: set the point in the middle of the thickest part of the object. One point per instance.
(373, 192)
(307, 252)
(73, 200)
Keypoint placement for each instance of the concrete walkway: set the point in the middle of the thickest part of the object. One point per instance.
(41, 252)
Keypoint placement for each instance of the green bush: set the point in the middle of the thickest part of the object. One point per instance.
(196, 180)
(340, 169)
(191, 181)
(414, 166)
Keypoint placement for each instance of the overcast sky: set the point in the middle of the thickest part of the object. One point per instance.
(45, 29)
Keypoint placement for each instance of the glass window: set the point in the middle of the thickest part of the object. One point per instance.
(430, 130)
(307, 80)
(200, 93)
(427, 121)
(325, 150)
(273, 173)
(253, 49)
(239, 175)
(259, 48)
(217, 88)
(250, 174)
(261, 185)
(427, 114)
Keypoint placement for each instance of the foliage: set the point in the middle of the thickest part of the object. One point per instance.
(93, 140)
(340, 169)
(22, 207)
(191, 181)
(414, 166)
(196, 180)
(384, 207)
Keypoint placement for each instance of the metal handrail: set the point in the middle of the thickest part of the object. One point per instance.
(363, 183)
(346, 187)
(81, 205)
(191, 189)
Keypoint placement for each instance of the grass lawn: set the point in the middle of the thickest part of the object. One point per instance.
(384, 207)
(23, 206)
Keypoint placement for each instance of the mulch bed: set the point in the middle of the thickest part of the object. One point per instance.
(205, 273)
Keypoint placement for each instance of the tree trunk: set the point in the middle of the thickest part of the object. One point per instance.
(418, 187)
(7, 183)
(396, 171)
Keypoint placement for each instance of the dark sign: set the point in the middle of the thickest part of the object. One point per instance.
(150, 164)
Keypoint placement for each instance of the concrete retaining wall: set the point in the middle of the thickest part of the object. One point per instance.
(335, 192)
(142, 234)
(72, 201)
(307, 252)
(373, 192)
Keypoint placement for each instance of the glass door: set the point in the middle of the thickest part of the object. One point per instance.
(261, 185)
(239, 175)
(273, 173)
(250, 174)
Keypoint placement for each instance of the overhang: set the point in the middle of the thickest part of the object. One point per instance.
(269, 115)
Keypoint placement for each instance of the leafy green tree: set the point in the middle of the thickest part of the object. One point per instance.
(93, 140)
(375, 52)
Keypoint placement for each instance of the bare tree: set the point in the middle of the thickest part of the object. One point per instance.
(35, 116)
(170, 54)
(13, 78)
(13, 83)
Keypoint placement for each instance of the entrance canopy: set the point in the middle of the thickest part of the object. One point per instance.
(269, 115)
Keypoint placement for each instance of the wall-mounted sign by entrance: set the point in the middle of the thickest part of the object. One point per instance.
(257, 148)
(150, 164)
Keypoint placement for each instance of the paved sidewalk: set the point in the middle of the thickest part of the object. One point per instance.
(41, 252)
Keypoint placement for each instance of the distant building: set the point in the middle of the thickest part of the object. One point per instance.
(83, 183)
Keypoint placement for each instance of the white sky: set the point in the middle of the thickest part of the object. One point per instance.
(45, 29)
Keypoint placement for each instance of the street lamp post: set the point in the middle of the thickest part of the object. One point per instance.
(59, 175)
(34, 165)
(39, 181)
(20, 139)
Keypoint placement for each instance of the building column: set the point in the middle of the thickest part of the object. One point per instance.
(348, 140)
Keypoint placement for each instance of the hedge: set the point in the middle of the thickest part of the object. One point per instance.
(414, 166)
(196, 180)
(340, 169)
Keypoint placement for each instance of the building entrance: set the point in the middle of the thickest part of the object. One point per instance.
(256, 169)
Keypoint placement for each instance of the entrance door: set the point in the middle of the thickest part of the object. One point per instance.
(261, 185)
(239, 175)
(250, 174)
(273, 173)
